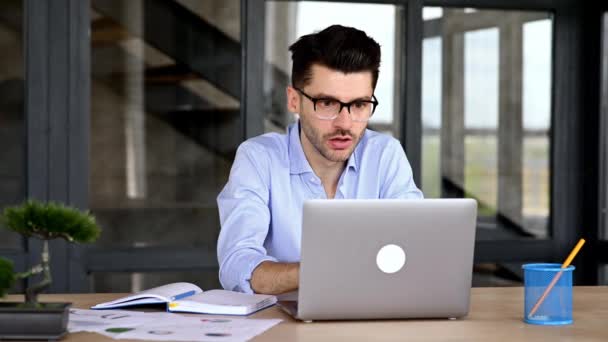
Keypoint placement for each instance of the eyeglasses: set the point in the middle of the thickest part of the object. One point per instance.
(327, 108)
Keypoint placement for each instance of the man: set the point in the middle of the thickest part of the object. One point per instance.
(328, 153)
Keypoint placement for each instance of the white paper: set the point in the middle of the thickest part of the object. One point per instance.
(95, 320)
(163, 326)
(202, 329)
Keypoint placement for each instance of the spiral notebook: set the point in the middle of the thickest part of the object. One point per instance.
(187, 297)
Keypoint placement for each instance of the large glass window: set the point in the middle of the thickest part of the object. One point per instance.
(486, 115)
(12, 117)
(165, 125)
(287, 21)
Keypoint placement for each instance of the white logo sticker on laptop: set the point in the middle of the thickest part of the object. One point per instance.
(390, 258)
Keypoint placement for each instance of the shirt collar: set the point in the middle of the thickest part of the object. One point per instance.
(298, 163)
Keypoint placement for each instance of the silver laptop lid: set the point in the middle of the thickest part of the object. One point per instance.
(341, 240)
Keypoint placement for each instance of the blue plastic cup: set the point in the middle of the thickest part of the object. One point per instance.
(556, 308)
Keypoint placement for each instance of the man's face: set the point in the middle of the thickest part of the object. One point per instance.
(334, 140)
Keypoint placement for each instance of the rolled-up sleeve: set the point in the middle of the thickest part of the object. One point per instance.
(244, 218)
(399, 179)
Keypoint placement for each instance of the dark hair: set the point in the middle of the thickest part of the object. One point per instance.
(341, 48)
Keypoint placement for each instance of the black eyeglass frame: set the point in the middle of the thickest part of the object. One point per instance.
(314, 100)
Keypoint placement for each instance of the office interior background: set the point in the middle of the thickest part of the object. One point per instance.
(134, 110)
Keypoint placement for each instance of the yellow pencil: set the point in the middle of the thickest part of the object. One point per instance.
(566, 263)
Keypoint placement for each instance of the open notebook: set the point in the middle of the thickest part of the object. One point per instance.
(186, 297)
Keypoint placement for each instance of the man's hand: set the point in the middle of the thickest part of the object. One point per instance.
(275, 278)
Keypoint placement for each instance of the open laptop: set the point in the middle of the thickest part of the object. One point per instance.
(377, 259)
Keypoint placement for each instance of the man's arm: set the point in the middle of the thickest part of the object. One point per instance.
(275, 277)
(244, 218)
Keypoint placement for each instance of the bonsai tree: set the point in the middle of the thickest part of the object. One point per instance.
(45, 221)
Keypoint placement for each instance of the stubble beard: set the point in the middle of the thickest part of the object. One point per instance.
(317, 142)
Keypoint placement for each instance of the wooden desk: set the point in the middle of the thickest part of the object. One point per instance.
(496, 315)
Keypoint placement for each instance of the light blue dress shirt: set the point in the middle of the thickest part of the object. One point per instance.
(261, 205)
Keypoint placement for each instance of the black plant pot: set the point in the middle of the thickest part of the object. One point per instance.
(47, 321)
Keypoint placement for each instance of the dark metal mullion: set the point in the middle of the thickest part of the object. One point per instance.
(411, 89)
(603, 202)
(58, 91)
(36, 109)
(79, 103)
(572, 134)
(78, 129)
(589, 145)
(253, 23)
(560, 218)
(57, 97)
(36, 98)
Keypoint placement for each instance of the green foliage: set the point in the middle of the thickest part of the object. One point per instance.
(51, 220)
(7, 277)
